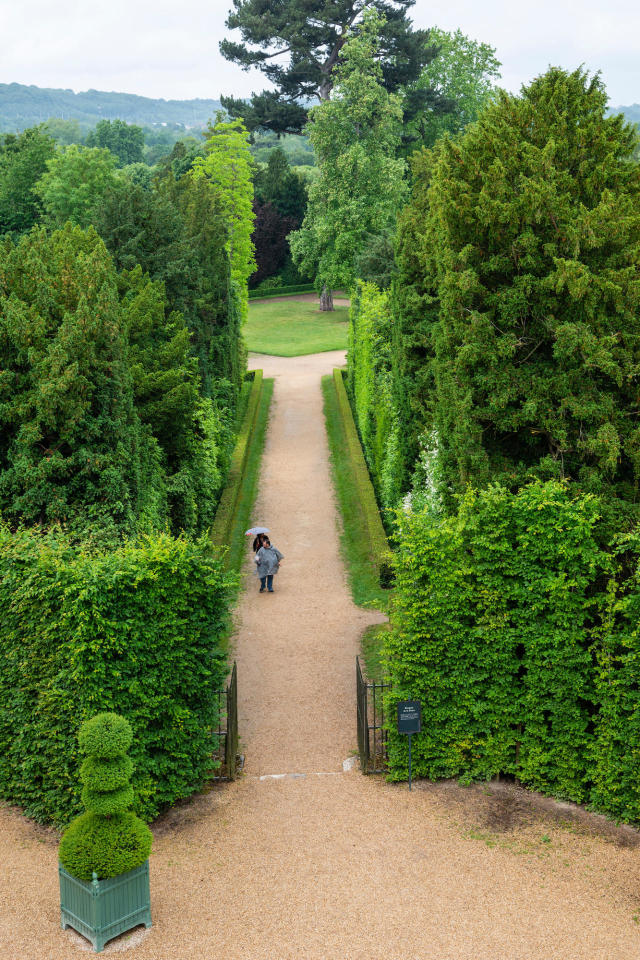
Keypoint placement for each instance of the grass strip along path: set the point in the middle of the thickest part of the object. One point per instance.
(299, 859)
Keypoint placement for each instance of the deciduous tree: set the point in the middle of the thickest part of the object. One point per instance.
(360, 187)
(23, 160)
(124, 140)
(227, 168)
(463, 74)
(76, 182)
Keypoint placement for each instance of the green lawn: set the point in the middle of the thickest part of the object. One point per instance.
(290, 328)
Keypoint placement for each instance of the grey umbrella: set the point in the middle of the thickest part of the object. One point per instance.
(254, 531)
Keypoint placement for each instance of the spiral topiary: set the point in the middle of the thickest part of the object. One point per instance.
(108, 839)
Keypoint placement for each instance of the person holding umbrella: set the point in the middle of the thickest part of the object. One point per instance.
(267, 558)
(267, 564)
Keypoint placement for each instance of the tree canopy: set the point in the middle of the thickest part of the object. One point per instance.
(520, 263)
(23, 160)
(125, 141)
(227, 168)
(312, 35)
(76, 181)
(360, 187)
(463, 75)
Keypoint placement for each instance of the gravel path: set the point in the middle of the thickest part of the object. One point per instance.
(321, 864)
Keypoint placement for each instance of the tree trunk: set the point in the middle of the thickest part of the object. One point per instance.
(326, 299)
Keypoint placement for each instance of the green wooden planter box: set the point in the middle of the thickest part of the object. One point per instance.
(103, 909)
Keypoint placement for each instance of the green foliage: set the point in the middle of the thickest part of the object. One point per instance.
(246, 498)
(227, 169)
(107, 802)
(414, 309)
(363, 572)
(23, 160)
(493, 631)
(193, 433)
(105, 737)
(616, 786)
(297, 149)
(278, 184)
(135, 630)
(176, 233)
(71, 446)
(360, 186)
(107, 774)
(314, 34)
(370, 387)
(378, 545)
(223, 524)
(524, 303)
(271, 287)
(76, 181)
(125, 141)
(108, 847)
(463, 73)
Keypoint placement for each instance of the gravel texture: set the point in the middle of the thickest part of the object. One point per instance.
(323, 864)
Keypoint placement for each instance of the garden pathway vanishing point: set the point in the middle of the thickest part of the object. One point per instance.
(323, 864)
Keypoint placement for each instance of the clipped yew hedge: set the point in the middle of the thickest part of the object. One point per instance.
(380, 551)
(222, 527)
(498, 627)
(136, 631)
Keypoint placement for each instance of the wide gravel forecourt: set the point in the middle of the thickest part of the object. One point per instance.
(317, 862)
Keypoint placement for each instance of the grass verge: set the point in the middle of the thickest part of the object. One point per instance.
(355, 542)
(249, 485)
(291, 328)
(371, 644)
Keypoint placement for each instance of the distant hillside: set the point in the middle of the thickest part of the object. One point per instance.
(24, 106)
(632, 113)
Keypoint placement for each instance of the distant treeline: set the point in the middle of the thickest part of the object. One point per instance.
(24, 106)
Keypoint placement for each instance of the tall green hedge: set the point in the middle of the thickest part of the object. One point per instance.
(369, 384)
(616, 752)
(137, 631)
(494, 631)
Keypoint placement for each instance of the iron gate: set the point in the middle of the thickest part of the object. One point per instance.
(372, 736)
(227, 734)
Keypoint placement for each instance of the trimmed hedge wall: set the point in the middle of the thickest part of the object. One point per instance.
(222, 528)
(370, 389)
(282, 291)
(496, 621)
(135, 631)
(379, 546)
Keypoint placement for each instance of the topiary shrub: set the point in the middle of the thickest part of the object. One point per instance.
(108, 839)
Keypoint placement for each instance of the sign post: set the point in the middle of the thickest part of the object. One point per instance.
(409, 722)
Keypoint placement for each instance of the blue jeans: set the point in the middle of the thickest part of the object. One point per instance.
(268, 580)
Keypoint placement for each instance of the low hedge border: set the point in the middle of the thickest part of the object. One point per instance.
(380, 550)
(281, 291)
(222, 527)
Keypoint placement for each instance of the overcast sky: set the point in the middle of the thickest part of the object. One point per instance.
(170, 49)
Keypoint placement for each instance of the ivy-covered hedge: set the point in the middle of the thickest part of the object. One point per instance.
(380, 553)
(497, 627)
(136, 631)
(369, 384)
